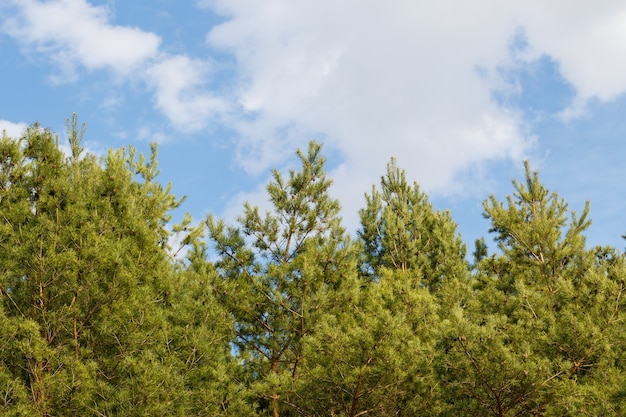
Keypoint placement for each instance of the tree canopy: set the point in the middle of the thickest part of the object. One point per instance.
(109, 308)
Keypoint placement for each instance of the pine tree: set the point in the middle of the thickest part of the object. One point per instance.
(532, 231)
(374, 355)
(541, 337)
(83, 258)
(276, 271)
(400, 230)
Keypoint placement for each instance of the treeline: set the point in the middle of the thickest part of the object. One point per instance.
(286, 314)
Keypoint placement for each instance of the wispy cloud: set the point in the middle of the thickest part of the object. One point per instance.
(13, 130)
(75, 34)
(178, 82)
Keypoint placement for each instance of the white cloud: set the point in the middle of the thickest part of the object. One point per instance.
(74, 32)
(178, 81)
(408, 78)
(587, 40)
(412, 79)
(12, 130)
(375, 80)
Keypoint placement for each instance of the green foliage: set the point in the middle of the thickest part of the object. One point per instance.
(400, 230)
(373, 357)
(107, 308)
(84, 267)
(276, 273)
(542, 334)
(20, 343)
(532, 231)
(199, 339)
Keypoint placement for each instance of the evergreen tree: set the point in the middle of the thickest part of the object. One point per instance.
(374, 356)
(83, 261)
(532, 231)
(401, 231)
(541, 335)
(277, 270)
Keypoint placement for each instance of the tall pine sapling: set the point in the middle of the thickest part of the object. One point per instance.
(276, 269)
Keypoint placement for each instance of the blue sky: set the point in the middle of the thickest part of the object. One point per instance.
(460, 94)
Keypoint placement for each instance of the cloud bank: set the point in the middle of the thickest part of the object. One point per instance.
(410, 79)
